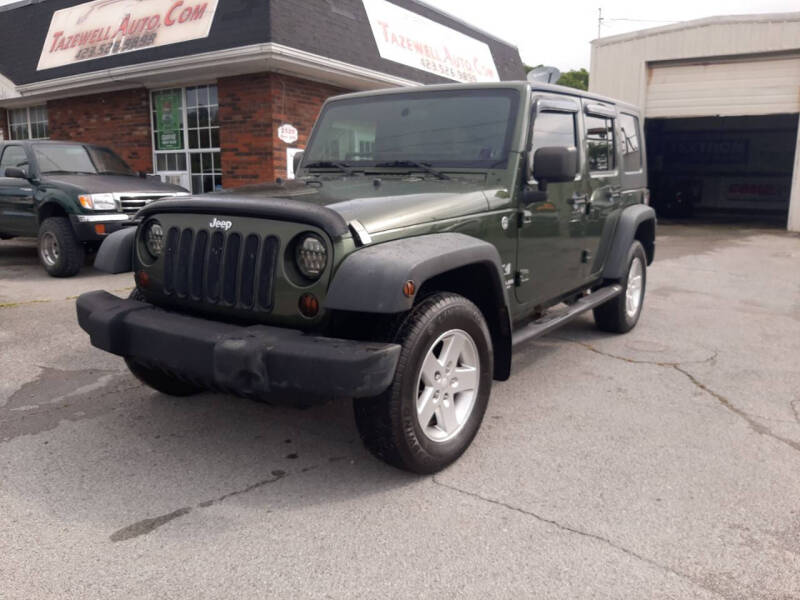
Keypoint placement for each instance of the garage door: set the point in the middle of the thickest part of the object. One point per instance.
(754, 87)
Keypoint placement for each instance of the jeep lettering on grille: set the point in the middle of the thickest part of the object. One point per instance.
(218, 224)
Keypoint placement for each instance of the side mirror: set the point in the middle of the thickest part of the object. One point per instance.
(554, 164)
(296, 160)
(16, 173)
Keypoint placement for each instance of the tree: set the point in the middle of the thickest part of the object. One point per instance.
(578, 79)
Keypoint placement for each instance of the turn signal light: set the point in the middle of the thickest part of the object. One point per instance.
(100, 229)
(309, 305)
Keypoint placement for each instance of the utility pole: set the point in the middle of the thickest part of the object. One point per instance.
(599, 20)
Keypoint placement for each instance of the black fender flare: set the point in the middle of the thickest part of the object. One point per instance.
(371, 280)
(629, 223)
(116, 252)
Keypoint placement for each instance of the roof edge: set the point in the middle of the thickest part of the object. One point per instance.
(219, 63)
(695, 23)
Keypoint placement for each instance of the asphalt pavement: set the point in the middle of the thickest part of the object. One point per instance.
(664, 463)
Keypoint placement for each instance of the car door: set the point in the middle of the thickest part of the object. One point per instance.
(17, 212)
(603, 186)
(550, 232)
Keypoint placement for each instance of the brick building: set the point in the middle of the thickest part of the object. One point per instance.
(214, 94)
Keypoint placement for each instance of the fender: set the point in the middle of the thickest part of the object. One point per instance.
(371, 279)
(116, 252)
(629, 221)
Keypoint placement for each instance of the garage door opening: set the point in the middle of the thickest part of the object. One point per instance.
(732, 169)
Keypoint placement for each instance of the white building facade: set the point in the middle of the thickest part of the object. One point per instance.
(721, 97)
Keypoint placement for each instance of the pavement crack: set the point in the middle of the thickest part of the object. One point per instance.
(754, 425)
(725, 402)
(635, 361)
(794, 404)
(580, 532)
(146, 526)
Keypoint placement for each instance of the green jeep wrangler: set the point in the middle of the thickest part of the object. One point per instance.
(428, 232)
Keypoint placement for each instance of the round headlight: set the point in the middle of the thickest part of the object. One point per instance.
(154, 238)
(311, 256)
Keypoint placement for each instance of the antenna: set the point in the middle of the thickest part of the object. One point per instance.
(599, 20)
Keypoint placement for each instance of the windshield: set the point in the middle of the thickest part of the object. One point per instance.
(464, 128)
(79, 159)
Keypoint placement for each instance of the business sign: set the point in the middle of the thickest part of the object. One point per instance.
(107, 27)
(409, 39)
(169, 120)
(287, 133)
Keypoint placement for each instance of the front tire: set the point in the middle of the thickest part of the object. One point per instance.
(59, 250)
(620, 314)
(432, 411)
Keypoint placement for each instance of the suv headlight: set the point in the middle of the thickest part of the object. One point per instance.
(153, 238)
(311, 256)
(98, 201)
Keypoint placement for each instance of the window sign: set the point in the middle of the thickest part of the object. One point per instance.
(409, 39)
(108, 27)
(169, 119)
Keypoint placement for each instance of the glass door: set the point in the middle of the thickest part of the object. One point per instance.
(186, 137)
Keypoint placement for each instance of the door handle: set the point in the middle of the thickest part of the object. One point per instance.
(576, 200)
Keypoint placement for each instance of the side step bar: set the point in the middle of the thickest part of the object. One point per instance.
(550, 322)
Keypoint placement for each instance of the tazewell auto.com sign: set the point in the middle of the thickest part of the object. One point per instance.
(106, 27)
(410, 39)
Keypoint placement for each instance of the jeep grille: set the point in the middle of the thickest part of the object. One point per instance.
(221, 268)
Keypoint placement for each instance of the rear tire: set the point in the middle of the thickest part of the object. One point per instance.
(620, 314)
(432, 411)
(155, 378)
(59, 250)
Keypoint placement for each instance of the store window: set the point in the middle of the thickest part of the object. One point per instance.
(186, 137)
(28, 123)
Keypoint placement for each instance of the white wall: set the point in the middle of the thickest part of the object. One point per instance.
(619, 65)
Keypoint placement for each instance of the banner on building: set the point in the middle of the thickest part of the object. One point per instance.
(107, 27)
(168, 120)
(410, 39)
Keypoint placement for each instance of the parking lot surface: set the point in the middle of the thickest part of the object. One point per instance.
(664, 463)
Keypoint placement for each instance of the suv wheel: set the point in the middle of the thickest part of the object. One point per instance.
(435, 405)
(155, 378)
(59, 251)
(620, 314)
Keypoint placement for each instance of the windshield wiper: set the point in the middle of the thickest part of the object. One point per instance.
(414, 164)
(330, 164)
(68, 173)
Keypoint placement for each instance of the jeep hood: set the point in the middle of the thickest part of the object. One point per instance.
(391, 204)
(103, 184)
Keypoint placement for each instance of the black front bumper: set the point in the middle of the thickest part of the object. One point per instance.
(252, 361)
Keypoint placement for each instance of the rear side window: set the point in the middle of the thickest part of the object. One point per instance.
(600, 143)
(629, 143)
(13, 156)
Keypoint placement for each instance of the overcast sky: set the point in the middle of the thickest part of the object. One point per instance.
(558, 33)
